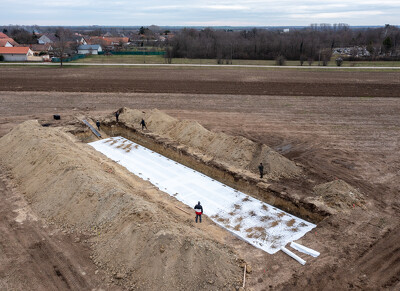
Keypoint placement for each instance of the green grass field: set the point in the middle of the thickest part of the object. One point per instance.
(151, 59)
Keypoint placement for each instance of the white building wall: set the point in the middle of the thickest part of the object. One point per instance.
(86, 52)
(8, 44)
(15, 58)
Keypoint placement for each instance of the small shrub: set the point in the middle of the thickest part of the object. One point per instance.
(280, 61)
(339, 62)
(302, 59)
(310, 61)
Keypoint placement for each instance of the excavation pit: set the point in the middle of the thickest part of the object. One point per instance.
(184, 155)
(220, 201)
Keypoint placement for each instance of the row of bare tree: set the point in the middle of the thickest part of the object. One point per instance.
(315, 42)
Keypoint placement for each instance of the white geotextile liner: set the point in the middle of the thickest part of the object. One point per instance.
(254, 221)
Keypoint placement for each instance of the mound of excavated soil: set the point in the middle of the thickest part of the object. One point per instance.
(232, 151)
(137, 240)
(339, 195)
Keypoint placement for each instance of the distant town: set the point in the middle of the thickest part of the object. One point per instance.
(322, 43)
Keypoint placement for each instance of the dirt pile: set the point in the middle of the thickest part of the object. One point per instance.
(139, 242)
(339, 195)
(235, 152)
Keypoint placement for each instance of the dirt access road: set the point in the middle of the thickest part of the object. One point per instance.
(336, 124)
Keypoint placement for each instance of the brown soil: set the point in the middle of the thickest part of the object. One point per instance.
(37, 255)
(129, 239)
(235, 152)
(206, 81)
(339, 195)
(343, 135)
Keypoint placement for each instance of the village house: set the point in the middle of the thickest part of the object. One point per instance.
(89, 49)
(79, 39)
(40, 49)
(5, 43)
(108, 41)
(356, 51)
(16, 54)
(47, 38)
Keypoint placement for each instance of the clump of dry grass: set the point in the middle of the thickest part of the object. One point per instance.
(223, 220)
(256, 232)
(246, 199)
(273, 224)
(290, 222)
(239, 219)
(265, 218)
(237, 227)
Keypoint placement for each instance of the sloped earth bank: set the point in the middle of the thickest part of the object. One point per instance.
(141, 243)
(36, 255)
(352, 139)
(231, 160)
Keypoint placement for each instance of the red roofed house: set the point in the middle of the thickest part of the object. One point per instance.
(16, 54)
(4, 39)
(4, 42)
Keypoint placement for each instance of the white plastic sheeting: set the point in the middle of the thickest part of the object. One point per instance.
(254, 221)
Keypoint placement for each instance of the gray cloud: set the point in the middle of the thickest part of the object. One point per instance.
(201, 12)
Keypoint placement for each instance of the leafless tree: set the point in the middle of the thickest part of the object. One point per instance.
(62, 46)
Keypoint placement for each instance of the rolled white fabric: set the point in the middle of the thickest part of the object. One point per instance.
(294, 256)
(304, 249)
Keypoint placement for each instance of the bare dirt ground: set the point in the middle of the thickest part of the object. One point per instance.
(342, 125)
(36, 255)
(200, 80)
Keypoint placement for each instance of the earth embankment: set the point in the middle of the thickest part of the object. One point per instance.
(138, 241)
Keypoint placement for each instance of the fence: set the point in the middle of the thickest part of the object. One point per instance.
(69, 59)
(140, 53)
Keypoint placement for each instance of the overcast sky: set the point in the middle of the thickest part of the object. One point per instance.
(199, 12)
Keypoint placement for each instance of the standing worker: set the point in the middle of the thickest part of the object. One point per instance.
(117, 115)
(98, 124)
(199, 211)
(261, 169)
(143, 124)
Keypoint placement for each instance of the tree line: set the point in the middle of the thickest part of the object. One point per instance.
(312, 43)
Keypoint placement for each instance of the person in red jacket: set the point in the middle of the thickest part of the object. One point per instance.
(199, 211)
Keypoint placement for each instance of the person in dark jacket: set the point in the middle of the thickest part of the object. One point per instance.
(117, 115)
(199, 211)
(98, 125)
(261, 169)
(143, 124)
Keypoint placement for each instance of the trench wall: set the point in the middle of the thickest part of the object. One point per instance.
(243, 183)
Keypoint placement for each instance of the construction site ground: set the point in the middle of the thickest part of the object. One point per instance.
(336, 125)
